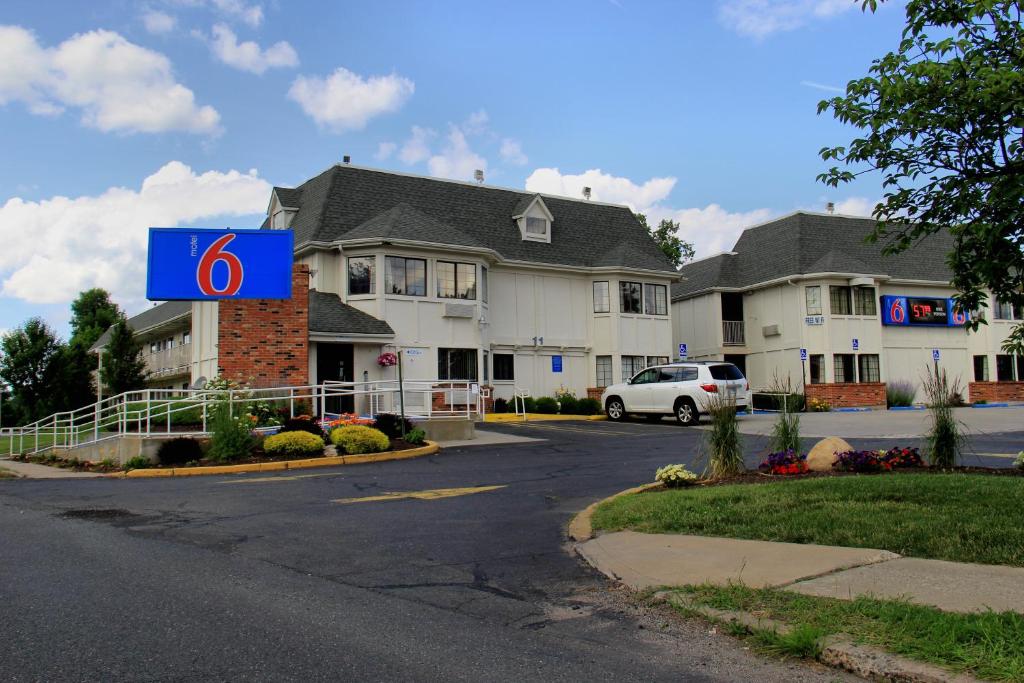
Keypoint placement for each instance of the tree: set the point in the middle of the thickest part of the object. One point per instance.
(123, 367)
(91, 314)
(32, 366)
(666, 236)
(942, 120)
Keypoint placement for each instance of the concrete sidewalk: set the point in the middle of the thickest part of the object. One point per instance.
(648, 560)
(31, 470)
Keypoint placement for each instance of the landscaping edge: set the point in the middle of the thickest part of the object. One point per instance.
(538, 417)
(430, 448)
(580, 528)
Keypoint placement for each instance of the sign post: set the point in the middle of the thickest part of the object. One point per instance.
(803, 370)
(401, 394)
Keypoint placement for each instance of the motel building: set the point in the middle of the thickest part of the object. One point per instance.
(510, 290)
(809, 282)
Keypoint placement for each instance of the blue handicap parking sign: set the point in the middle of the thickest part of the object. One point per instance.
(682, 351)
(935, 354)
(856, 344)
(803, 354)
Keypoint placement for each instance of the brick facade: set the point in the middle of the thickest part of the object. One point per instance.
(863, 395)
(996, 392)
(265, 342)
(595, 393)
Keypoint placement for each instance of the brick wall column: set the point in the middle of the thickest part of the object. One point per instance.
(996, 392)
(861, 395)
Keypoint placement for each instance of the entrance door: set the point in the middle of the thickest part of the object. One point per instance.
(334, 364)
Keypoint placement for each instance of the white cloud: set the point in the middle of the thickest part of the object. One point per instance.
(346, 101)
(385, 150)
(456, 160)
(248, 56)
(417, 147)
(100, 241)
(512, 152)
(250, 14)
(761, 18)
(856, 206)
(822, 86)
(157, 22)
(117, 85)
(711, 229)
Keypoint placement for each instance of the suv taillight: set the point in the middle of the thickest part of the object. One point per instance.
(747, 386)
(710, 388)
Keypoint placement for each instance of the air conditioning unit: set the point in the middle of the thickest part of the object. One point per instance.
(770, 331)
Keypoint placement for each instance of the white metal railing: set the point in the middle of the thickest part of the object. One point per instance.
(733, 333)
(155, 412)
(519, 397)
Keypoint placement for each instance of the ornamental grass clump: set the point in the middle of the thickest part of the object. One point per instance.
(231, 435)
(945, 441)
(785, 434)
(675, 476)
(900, 394)
(723, 440)
(357, 439)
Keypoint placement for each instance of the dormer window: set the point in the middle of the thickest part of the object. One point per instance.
(534, 219)
(536, 226)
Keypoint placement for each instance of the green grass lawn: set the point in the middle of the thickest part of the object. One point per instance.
(959, 517)
(989, 645)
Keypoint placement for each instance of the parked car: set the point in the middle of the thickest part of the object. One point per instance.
(681, 389)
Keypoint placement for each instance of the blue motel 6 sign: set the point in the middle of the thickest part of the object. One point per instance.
(202, 264)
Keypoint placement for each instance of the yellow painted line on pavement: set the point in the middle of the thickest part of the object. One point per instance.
(433, 494)
(1011, 456)
(260, 480)
(563, 428)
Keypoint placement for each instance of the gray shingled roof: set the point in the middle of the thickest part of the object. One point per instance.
(805, 243)
(288, 197)
(327, 314)
(151, 317)
(348, 201)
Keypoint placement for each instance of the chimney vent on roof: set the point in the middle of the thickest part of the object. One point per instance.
(586, 193)
(478, 175)
(346, 159)
(830, 207)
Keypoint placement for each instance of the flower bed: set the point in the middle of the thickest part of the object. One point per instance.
(785, 463)
(878, 461)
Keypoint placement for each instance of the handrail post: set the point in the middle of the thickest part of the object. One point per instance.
(149, 409)
(291, 402)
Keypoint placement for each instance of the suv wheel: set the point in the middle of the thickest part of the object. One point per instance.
(615, 409)
(686, 412)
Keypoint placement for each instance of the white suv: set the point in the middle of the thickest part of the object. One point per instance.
(681, 389)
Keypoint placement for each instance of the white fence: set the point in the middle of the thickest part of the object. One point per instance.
(157, 412)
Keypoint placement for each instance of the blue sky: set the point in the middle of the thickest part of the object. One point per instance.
(120, 115)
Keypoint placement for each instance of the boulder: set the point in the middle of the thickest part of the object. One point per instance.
(823, 455)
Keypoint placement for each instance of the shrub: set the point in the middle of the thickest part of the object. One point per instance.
(675, 476)
(568, 405)
(294, 443)
(231, 436)
(1019, 462)
(818, 405)
(179, 451)
(416, 437)
(500, 406)
(861, 461)
(137, 463)
(588, 406)
(356, 439)
(724, 438)
(391, 425)
(903, 457)
(784, 462)
(546, 405)
(945, 440)
(785, 434)
(303, 423)
(529, 404)
(900, 393)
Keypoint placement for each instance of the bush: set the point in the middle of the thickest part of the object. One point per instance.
(724, 438)
(818, 405)
(500, 406)
(529, 404)
(303, 423)
(784, 462)
(179, 451)
(416, 437)
(294, 443)
(900, 393)
(546, 405)
(139, 462)
(675, 476)
(588, 406)
(785, 434)
(355, 439)
(231, 436)
(568, 405)
(1019, 462)
(391, 425)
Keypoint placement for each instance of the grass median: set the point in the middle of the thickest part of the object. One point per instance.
(989, 645)
(958, 517)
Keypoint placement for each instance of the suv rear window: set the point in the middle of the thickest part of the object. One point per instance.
(725, 372)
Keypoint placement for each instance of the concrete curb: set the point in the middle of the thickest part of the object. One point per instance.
(539, 417)
(278, 466)
(580, 528)
(838, 651)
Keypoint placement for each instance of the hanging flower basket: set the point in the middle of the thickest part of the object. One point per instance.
(387, 359)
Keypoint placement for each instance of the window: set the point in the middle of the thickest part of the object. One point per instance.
(632, 365)
(504, 367)
(657, 360)
(186, 337)
(456, 364)
(361, 278)
(1007, 311)
(456, 280)
(406, 276)
(981, 368)
(678, 374)
(839, 298)
(864, 301)
(817, 368)
(867, 364)
(536, 226)
(487, 367)
(169, 344)
(812, 295)
(844, 369)
(154, 346)
(646, 377)
(629, 297)
(655, 300)
(604, 371)
(725, 371)
(1005, 370)
(601, 297)
(483, 284)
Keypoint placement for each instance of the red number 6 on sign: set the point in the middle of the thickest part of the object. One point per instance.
(213, 255)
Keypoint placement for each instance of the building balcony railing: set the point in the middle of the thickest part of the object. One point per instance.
(733, 333)
(169, 362)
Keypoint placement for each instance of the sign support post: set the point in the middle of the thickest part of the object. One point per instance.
(401, 394)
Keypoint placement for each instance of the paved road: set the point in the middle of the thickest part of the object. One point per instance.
(272, 578)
